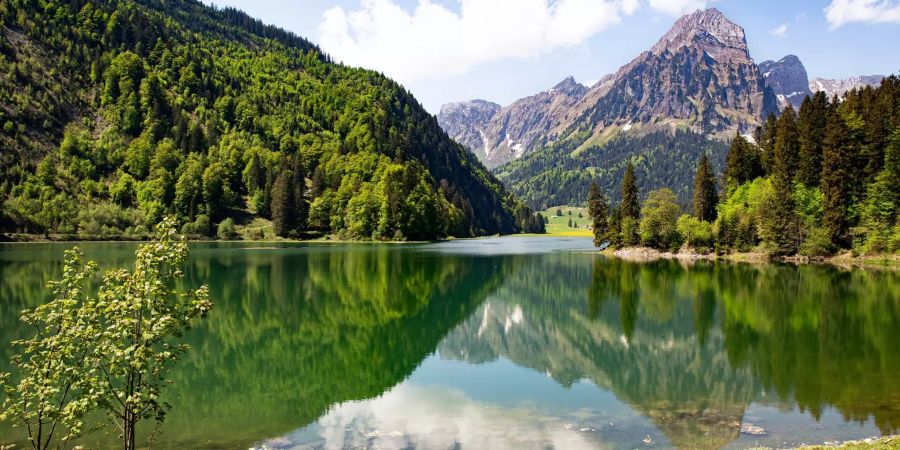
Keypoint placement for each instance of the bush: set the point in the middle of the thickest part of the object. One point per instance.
(817, 243)
(695, 232)
(199, 227)
(226, 231)
(629, 234)
(659, 217)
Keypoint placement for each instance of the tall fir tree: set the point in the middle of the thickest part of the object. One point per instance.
(787, 145)
(598, 211)
(892, 163)
(742, 164)
(282, 204)
(765, 138)
(298, 184)
(837, 167)
(784, 224)
(812, 121)
(630, 206)
(706, 196)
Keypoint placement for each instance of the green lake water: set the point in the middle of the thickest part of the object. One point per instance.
(509, 343)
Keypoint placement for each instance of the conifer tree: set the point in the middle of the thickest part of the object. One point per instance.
(705, 195)
(783, 223)
(765, 138)
(298, 182)
(630, 207)
(836, 178)
(812, 120)
(282, 204)
(742, 164)
(598, 211)
(787, 145)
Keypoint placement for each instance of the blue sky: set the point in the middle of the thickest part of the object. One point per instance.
(502, 50)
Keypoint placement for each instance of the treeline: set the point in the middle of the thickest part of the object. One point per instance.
(814, 182)
(561, 174)
(116, 114)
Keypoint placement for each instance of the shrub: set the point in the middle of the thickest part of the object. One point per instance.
(659, 217)
(226, 231)
(695, 232)
(817, 243)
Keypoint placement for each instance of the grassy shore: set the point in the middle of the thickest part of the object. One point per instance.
(885, 443)
(844, 259)
(559, 225)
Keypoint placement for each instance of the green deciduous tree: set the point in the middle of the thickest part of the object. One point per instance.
(110, 352)
(54, 386)
(138, 316)
(659, 218)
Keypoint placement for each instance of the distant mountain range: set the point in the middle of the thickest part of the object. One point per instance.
(698, 77)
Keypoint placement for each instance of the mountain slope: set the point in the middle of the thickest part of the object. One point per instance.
(788, 79)
(698, 76)
(839, 87)
(511, 131)
(466, 123)
(560, 175)
(116, 113)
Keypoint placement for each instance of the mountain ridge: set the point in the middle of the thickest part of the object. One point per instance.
(699, 75)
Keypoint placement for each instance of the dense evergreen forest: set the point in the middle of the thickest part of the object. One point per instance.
(114, 114)
(816, 182)
(560, 174)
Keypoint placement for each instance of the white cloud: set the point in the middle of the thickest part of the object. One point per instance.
(434, 417)
(433, 42)
(780, 30)
(841, 12)
(677, 7)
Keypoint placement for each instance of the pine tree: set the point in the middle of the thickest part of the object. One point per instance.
(784, 225)
(298, 182)
(282, 204)
(630, 207)
(705, 196)
(812, 121)
(255, 176)
(765, 138)
(837, 165)
(787, 145)
(598, 211)
(742, 164)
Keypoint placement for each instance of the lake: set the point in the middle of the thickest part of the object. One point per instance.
(517, 342)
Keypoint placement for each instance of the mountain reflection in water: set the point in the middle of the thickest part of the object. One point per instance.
(524, 346)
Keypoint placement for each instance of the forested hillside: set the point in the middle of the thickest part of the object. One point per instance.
(561, 174)
(813, 182)
(116, 113)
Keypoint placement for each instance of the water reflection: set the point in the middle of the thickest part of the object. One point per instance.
(436, 347)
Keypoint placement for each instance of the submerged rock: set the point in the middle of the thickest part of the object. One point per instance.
(749, 428)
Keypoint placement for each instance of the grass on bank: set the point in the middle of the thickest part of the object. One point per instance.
(885, 443)
(559, 226)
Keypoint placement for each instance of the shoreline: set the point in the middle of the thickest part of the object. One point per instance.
(846, 259)
(886, 442)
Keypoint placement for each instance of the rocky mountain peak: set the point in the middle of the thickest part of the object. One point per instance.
(788, 80)
(708, 28)
(477, 107)
(569, 87)
(466, 123)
